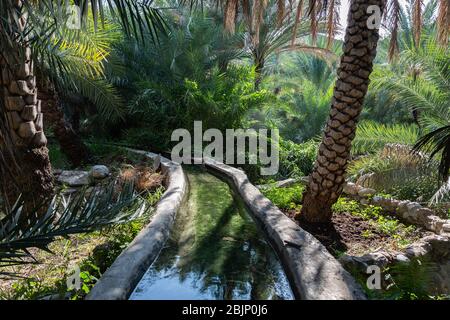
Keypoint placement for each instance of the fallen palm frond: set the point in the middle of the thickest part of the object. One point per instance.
(88, 210)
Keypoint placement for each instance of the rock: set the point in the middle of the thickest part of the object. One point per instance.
(365, 180)
(408, 211)
(434, 223)
(402, 258)
(422, 215)
(351, 189)
(366, 192)
(378, 201)
(446, 227)
(350, 262)
(393, 204)
(402, 207)
(440, 245)
(280, 184)
(418, 249)
(99, 172)
(74, 178)
(157, 163)
(385, 203)
(364, 202)
(378, 258)
(412, 206)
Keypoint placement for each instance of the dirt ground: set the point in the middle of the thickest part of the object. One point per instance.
(353, 235)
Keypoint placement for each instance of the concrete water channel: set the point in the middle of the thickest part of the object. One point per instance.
(215, 251)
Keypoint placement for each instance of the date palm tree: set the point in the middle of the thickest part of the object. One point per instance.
(69, 69)
(360, 46)
(419, 81)
(359, 51)
(23, 141)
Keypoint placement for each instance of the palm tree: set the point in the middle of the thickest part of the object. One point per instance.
(304, 84)
(71, 65)
(360, 44)
(23, 133)
(359, 51)
(275, 26)
(24, 120)
(419, 81)
(273, 34)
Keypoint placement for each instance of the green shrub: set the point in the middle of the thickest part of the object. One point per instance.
(397, 171)
(58, 159)
(285, 198)
(182, 79)
(297, 160)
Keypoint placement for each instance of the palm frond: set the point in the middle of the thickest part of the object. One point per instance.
(298, 17)
(87, 211)
(373, 136)
(332, 21)
(442, 194)
(393, 21)
(434, 143)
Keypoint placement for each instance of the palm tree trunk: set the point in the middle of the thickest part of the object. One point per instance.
(71, 144)
(25, 121)
(259, 69)
(328, 177)
(32, 175)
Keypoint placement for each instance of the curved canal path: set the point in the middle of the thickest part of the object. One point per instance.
(215, 251)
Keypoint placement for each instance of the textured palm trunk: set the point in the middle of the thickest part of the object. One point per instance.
(70, 142)
(328, 177)
(32, 177)
(259, 69)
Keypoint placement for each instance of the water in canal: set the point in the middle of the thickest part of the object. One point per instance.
(215, 252)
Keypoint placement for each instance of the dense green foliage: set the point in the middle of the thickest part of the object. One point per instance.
(147, 72)
(182, 79)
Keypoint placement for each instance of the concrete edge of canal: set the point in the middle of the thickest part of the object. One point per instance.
(313, 272)
(119, 281)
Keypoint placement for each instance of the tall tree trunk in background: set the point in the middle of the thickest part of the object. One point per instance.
(328, 177)
(259, 69)
(33, 176)
(70, 142)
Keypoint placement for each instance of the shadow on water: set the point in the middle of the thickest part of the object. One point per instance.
(215, 251)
